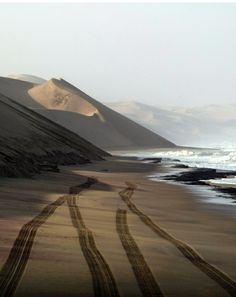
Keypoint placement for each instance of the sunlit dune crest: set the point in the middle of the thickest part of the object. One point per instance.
(53, 95)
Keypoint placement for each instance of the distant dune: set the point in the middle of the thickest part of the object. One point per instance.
(29, 141)
(65, 104)
(210, 125)
(30, 78)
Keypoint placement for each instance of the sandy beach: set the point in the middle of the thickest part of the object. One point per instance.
(92, 243)
(117, 149)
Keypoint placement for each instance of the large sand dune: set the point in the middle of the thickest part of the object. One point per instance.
(70, 107)
(28, 140)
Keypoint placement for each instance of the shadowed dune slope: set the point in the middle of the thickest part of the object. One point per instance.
(65, 104)
(29, 78)
(18, 91)
(92, 120)
(28, 140)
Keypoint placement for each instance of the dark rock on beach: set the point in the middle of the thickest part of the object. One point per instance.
(180, 166)
(227, 190)
(153, 160)
(195, 177)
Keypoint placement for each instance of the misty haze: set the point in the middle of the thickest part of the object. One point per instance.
(117, 149)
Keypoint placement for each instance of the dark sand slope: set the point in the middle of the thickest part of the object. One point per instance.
(70, 107)
(28, 140)
(18, 91)
(29, 78)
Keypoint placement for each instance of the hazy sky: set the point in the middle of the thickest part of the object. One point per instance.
(175, 54)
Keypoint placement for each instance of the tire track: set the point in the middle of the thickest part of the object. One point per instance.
(13, 269)
(143, 274)
(104, 283)
(16, 262)
(193, 256)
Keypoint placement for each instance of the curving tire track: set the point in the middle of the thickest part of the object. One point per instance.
(193, 256)
(104, 283)
(16, 262)
(143, 274)
(13, 269)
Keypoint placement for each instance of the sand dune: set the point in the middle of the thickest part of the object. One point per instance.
(60, 101)
(18, 91)
(53, 95)
(29, 78)
(28, 140)
(210, 125)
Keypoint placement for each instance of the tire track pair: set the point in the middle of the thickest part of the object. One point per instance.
(193, 256)
(16, 262)
(103, 280)
(13, 269)
(143, 274)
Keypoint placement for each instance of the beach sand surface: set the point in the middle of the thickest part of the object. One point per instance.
(60, 260)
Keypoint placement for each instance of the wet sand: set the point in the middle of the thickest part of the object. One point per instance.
(122, 235)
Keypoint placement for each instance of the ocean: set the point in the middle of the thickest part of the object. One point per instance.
(215, 158)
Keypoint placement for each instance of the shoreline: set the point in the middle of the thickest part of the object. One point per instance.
(202, 179)
(56, 248)
(213, 179)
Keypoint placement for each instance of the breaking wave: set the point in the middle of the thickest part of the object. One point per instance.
(221, 159)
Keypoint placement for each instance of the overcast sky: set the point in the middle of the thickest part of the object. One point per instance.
(159, 54)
